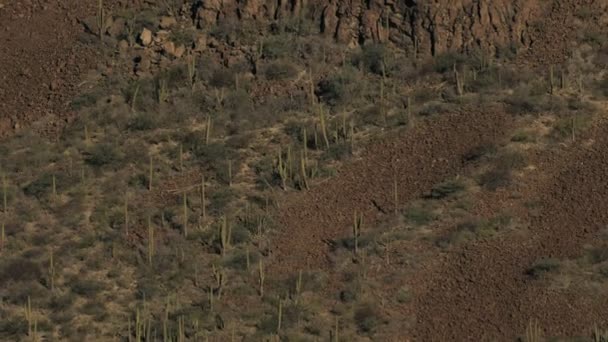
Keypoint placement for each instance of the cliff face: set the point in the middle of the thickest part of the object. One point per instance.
(424, 26)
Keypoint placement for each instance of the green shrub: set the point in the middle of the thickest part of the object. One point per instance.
(419, 215)
(40, 187)
(143, 121)
(564, 127)
(447, 188)
(371, 58)
(367, 318)
(102, 154)
(280, 46)
(445, 62)
(523, 137)
(20, 270)
(500, 174)
(222, 78)
(280, 70)
(480, 151)
(543, 266)
(87, 287)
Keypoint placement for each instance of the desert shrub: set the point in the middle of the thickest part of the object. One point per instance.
(11, 326)
(597, 255)
(371, 115)
(434, 108)
(495, 178)
(222, 78)
(367, 318)
(87, 287)
(445, 62)
(419, 215)
(280, 70)
(300, 26)
(279, 46)
(332, 90)
(500, 174)
(95, 308)
(523, 137)
(447, 188)
(40, 187)
(20, 270)
(565, 126)
(143, 121)
(102, 154)
(372, 58)
(238, 260)
(543, 266)
(85, 100)
(338, 151)
(507, 52)
(220, 198)
(61, 302)
(472, 229)
(404, 295)
(181, 36)
(480, 151)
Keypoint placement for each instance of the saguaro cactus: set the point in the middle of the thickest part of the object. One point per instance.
(358, 223)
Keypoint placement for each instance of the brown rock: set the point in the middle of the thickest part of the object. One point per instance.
(146, 37)
(168, 48)
(200, 43)
(123, 45)
(167, 22)
(179, 51)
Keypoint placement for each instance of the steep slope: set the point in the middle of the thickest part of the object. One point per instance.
(416, 160)
(483, 291)
(42, 60)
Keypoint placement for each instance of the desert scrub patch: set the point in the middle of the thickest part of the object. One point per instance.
(367, 319)
(20, 270)
(371, 58)
(280, 70)
(568, 127)
(87, 287)
(542, 267)
(500, 173)
(279, 46)
(474, 229)
(447, 188)
(420, 213)
(103, 154)
(522, 136)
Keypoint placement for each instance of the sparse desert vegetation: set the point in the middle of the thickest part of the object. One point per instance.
(220, 173)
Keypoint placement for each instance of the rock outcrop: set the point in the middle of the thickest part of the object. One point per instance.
(427, 27)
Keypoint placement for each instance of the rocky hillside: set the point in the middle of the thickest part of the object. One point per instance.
(288, 170)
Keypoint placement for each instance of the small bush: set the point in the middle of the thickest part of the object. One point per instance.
(280, 70)
(367, 319)
(280, 46)
(20, 270)
(371, 58)
(564, 127)
(500, 175)
(447, 188)
(222, 78)
(86, 287)
(143, 121)
(480, 151)
(523, 137)
(102, 154)
(543, 266)
(419, 215)
(445, 62)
